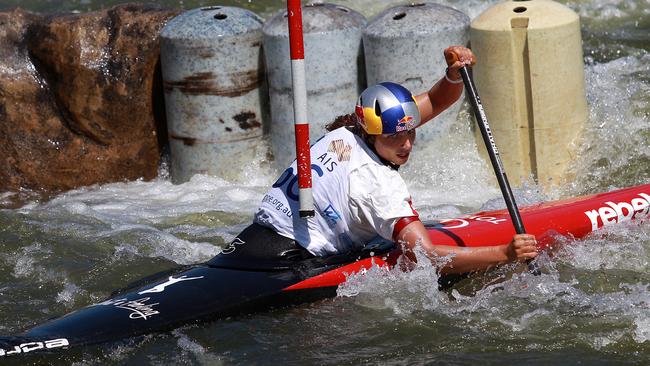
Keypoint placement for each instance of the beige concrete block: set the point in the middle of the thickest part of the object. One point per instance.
(530, 76)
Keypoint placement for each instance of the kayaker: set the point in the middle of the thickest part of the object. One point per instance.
(358, 192)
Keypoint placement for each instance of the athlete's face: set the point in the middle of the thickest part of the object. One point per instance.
(395, 148)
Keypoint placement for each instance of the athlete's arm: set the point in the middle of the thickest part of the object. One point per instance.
(466, 259)
(444, 93)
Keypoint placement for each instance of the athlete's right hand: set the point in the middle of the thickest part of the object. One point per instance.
(521, 248)
(457, 57)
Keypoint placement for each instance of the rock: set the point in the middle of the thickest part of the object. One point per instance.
(81, 99)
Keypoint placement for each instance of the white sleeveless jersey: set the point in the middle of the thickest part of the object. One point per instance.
(356, 197)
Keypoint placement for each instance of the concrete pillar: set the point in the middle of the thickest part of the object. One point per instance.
(530, 76)
(333, 63)
(214, 90)
(405, 44)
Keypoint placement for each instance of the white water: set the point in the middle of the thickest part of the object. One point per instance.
(593, 298)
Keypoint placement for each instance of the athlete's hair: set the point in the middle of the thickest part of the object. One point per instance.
(351, 122)
(345, 120)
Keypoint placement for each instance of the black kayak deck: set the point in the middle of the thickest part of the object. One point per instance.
(218, 288)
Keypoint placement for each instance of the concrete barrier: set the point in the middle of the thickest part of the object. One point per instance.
(333, 63)
(214, 90)
(530, 75)
(405, 44)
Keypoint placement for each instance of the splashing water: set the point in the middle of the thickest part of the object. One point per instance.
(615, 149)
(590, 295)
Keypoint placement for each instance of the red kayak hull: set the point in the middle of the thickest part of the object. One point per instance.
(575, 218)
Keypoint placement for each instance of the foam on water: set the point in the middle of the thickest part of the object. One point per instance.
(24, 261)
(609, 248)
(144, 210)
(5, 198)
(605, 10)
(401, 291)
(196, 350)
(153, 201)
(27, 263)
(68, 294)
(614, 149)
(587, 286)
(158, 244)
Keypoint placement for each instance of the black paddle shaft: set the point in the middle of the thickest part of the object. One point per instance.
(493, 152)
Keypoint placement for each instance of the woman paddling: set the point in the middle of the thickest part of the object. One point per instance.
(358, 192)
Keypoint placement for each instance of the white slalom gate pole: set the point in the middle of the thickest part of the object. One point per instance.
(303, 159)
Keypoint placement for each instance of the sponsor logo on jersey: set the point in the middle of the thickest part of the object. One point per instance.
(618, 212)
(332, 215)
(172, 280)
(341, 149)
(33, 346)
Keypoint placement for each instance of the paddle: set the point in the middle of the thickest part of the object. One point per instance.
(490, 145)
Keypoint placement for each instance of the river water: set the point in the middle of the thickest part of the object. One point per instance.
(590, 306)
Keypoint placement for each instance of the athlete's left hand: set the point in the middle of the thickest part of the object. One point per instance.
(461, 56)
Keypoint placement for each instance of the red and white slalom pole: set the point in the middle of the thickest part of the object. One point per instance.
(303, 159)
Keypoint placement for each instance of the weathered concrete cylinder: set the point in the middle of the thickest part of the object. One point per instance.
(333, 63)
(405, 44)
(213, 80)
(530, 75)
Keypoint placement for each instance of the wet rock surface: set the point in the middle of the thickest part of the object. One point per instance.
(81, 100)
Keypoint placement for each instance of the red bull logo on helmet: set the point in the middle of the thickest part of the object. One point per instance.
(406, 123)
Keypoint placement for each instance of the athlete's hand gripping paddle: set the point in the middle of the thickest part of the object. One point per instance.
(490, 145)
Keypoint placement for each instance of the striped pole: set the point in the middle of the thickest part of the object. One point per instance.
(303, 159)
